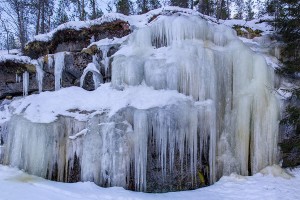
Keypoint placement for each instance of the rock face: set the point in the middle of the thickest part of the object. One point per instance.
(10, 77)
(75, 40)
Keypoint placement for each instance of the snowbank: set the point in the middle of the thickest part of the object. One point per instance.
(45, 107)
(16, 185)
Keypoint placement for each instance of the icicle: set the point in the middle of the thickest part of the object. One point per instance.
(97, 76)
(18, 78)
(50, 61)
(59, 66)
(40, 73)
(105, 59)
(25, 83)
(140, 149)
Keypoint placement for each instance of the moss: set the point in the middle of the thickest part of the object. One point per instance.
(13, 67)
(249, 33)
(36, 49)
(92, 50)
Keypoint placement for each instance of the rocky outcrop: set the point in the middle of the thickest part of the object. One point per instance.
(11, 71)
(72, 40)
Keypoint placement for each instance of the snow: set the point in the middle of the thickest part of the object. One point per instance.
(16, 58)
(77, 25)
(11, 51)
(45, 107)
(80, 133)
(133, 20)
(16, 185)
(255, 24)
(108, 42)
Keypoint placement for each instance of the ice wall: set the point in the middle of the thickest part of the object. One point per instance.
(209, 63)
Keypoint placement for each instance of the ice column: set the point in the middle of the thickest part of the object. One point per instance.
(40, 73)
(59, 59)
(25, 83)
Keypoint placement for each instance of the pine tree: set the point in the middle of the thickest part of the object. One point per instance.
(180, 3)
(147, 5)
(61, 15)
(205, 7)
(124, 6)
(96, 12)
(240, 7)
(249, 10)
(288, 26)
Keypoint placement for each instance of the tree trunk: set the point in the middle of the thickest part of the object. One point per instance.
(43, 17)
(37, 30)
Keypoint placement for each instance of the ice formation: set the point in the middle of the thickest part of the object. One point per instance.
(230, 123)
(39, 73)
(18, 78)
(105, 60)
(59, 59)
(97, 77)
(209, 63)
(25, 83)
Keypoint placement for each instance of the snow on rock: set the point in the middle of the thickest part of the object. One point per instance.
(133, 20)
(11, 51)
(255, 24)
(45, 107)
(77, 25)
(17, 59)
(108, 42)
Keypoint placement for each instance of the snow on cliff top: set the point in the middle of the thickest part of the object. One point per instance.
(255, 24)
(16, 185)
(17, 59)
(133, 20)
(45, 107)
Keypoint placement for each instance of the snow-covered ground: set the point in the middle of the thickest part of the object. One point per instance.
(17, 185)
(12, 51)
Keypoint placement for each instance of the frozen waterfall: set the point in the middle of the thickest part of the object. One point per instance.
(229, 124)
(209, 63)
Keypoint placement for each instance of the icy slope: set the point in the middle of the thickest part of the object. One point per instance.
(16, 185)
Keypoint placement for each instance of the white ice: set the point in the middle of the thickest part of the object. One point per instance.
(59, 59)
(25, 83)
